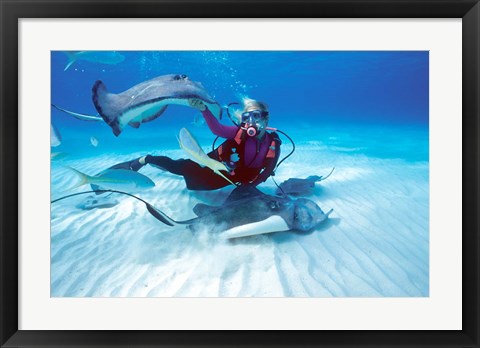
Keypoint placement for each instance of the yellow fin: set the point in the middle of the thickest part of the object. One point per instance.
(218, 173)
(194, 151)
(84, 179)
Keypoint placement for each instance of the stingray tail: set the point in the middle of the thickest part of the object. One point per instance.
(105, 106)
(158, 214)
(72, 58)
(326, 177)
(77, 115)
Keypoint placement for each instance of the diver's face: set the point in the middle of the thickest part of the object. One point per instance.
(257, 119)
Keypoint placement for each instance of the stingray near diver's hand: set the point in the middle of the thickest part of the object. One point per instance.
(148, 100)
(248, 211)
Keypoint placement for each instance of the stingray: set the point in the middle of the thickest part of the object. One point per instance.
(246, 212)
(97, 203)
(148, 100)
(300, 187)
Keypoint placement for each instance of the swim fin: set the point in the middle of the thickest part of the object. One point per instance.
(134, 165)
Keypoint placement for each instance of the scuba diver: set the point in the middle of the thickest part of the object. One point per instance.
(250, 152)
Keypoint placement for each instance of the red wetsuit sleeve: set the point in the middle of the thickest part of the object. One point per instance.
(217, 128)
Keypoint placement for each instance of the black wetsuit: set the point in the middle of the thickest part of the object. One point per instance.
(203, 178)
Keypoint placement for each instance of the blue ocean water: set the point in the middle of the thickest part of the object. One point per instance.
(369, 102)
(364, 113)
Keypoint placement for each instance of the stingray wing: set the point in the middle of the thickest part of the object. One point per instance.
(272, 224)
(244, 192)
(201, 209)
(108, 105)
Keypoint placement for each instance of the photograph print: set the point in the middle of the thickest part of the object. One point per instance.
(239, 174)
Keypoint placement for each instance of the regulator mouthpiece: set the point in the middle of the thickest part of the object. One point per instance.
(251, 131)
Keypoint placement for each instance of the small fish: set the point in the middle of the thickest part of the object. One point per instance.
(94, 141)
(196, 154)
(103, 57)
(55, 137)
(115, 179)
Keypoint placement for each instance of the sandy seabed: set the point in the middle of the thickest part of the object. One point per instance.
(375, 244)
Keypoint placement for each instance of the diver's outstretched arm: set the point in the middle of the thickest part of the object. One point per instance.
(215, 126)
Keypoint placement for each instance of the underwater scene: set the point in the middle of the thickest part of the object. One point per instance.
(240, 174)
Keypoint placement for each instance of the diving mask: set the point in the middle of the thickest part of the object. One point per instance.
(254, 121)
(255, 115)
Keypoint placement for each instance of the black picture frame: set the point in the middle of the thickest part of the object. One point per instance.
(13, 10)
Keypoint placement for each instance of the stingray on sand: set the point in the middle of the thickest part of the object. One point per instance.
(300, 187)
(246, 212)
(148, 100)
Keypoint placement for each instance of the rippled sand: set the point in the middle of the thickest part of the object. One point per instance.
(375, 244)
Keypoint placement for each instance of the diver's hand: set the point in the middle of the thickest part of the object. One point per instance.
(197, 104)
